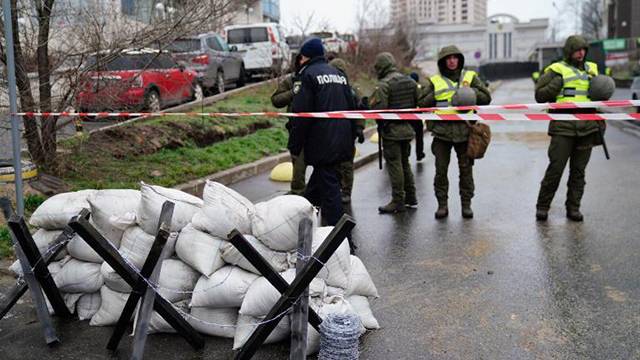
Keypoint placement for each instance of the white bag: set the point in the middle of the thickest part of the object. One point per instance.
(79, 277)
(44, 238)
(247, 325)
(157, 324)
(110, 308)
(112, 280)
(106, 204)
(360, 305)
(337, 269)
(214, 322)
(224, 210)
(224, 288)
(136, 244)
(150, 207)
(200, 250)
(57, 210)
(88, 305)
(261, 295)
(70, 301)
(231, 255)
(177, 280)
(79, 249)
(360, 282)
(53, 267)
(275, 222)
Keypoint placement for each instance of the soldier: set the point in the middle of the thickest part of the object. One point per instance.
(326, 142)
(395, 91)
(447, 89)
(346, 168)
(571, 80)
(418, 125)
(283, 97)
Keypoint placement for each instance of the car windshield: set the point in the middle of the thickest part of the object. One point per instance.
(322, 35)
(247, 35)
(119, 62)
(184, 45)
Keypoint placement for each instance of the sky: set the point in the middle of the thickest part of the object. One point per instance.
(341, 14)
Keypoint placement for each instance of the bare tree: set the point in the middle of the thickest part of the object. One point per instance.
(593, 13)
(53, 38)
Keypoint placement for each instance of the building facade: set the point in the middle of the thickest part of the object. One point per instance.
(439, 11)
(256, 11)
(623, 19)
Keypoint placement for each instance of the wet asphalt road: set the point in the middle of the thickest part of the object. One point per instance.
(500, 286)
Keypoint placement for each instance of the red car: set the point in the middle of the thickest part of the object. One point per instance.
(135, 80)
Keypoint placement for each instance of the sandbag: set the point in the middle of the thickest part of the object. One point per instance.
(224, 288)
(79, 277)
(136, 244)
(53, 267)
(360, 282)
(79, 249)
(70, 301)
(261, 295)
(360, 305)
(106, 204)
(337, 305)
(44, 238)
(247, 324)
(176, 280)
(224, 210)
(112, 280)
(275, 222)
(337, 269)
(88, 305)
(151, 205)
(57, 210)
(157, 324)
(215, 322)
(231, 255)
(111, 307)
(200, 250)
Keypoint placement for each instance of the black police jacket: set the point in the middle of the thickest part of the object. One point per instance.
(319, 88)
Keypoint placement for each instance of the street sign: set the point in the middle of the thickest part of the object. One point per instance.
(614, 44)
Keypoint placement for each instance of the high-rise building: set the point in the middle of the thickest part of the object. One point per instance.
(439, 11)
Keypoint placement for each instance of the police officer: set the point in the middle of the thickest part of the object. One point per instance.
(443, 90)
(571, 80)
(283, 97)
(325, 142)
(346, 168)
(418, 125)
(395, 91)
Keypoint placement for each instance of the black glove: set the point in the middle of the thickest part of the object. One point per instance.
(360, 135)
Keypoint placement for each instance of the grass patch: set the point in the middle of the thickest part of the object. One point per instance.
(6, 246)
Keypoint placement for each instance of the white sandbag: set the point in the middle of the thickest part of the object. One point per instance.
(70, 301)
(44, 238)
(88, 305)
(360, 305)
(157, 324)
(136, 244)
(337, 269)
(224, 288)
(247, 324)
(360, 282)
(215, 322)
(275, 222)
(79, 249)
(16, 268)
(106, 204)
(224, 210)
(57, 210)
(177, 280)
(151, 205)
(53, 267)
(337, 305)
(79, 277)
(335, 291)
(261, 295)
(200, 250)
(277, 259)
(111, 307)
(112, 280)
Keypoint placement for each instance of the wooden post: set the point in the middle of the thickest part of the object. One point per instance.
(300, 315)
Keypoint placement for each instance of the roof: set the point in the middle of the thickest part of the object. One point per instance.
(231, 27)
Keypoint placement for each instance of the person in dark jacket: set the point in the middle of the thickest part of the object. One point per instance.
(418, 125)
(325, 142)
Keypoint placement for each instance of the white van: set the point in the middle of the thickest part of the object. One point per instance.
(264, 47)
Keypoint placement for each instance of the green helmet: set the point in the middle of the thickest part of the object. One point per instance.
(385, 64)
(339, 64)
(601, 88)
(464, 96)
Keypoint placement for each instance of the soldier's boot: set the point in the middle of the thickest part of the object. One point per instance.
(411, 202)
(443, 211)
(542, 214)
(574, 214)
(467, 213)
(393, 207)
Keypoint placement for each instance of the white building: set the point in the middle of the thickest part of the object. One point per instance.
(439, 11)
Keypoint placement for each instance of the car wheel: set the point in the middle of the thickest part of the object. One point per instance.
(197, 93)
(220, 83)
(241, 78)
(152, 101)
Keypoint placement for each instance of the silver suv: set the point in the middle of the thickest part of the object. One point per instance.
(216, 64)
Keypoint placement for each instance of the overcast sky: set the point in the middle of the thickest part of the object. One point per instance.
(341, 13)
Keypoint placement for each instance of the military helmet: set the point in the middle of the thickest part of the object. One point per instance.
(601, 88)
(464, 96)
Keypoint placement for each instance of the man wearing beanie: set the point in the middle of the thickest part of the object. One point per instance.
(326, 142)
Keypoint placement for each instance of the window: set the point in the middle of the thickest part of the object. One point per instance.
(223, 44)
(247, 35)
(162, 61)
(213, 44)
(504, 45)
(184, 45)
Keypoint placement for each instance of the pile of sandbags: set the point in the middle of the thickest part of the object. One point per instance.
(210, 283)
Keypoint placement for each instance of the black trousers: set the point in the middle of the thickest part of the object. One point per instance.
(418, 128)
(323, 190)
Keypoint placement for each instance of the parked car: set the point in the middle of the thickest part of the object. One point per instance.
(352, 42)
(635, 88)
(331, 41)
(212, 59)
(135, 80)
(264, 45)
